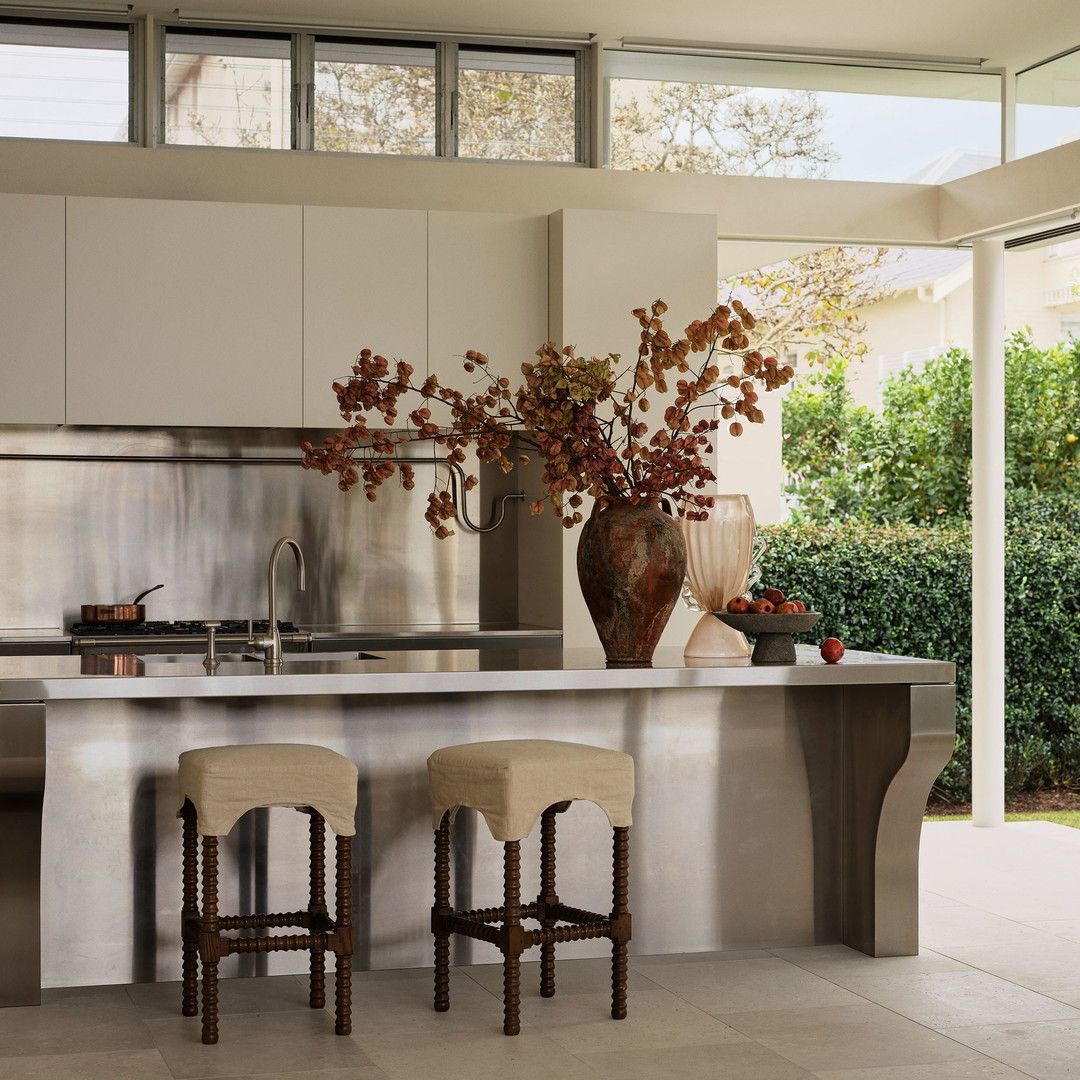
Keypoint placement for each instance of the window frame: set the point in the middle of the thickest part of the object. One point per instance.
(135, 64)
(304, 43)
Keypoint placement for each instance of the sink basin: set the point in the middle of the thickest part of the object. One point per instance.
(256, 658)
(319, 657)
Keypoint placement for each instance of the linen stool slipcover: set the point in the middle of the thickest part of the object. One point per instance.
(218, 784)
(514, 783)
(224, 782)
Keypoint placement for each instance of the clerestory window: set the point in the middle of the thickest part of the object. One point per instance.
(66, 80)
(373, 95)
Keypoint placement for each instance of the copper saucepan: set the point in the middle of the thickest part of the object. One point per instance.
(118, 613)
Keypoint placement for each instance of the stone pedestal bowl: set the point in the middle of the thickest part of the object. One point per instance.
(774, 644)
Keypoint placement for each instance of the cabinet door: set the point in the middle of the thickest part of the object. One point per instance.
(365, 287)
(183, 313)
(32, 309)
(488, 291)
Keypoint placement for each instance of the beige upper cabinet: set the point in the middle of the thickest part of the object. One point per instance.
(32, 309)
(365, 287)
(183, 313)
(488, 291)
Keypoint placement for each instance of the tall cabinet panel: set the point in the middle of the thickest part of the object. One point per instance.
(32, 309)
(488, 290)
(183, 313)
(605, 263)
(365, 286)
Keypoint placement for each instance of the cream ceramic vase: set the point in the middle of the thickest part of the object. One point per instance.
(719, 556)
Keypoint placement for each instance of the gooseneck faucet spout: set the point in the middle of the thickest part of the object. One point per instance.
(271, 643)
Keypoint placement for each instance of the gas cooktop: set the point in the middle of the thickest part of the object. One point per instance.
(191, 628)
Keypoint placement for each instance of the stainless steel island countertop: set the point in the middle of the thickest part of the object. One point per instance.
(65, 678)
(777, 805)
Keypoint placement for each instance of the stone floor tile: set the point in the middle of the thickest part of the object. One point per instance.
(962, 925)
(947, 999)
(486, 1055)
(389, 1002)
(1046, 1051)
(571, 977)
(82, 1021)
(256, 1044)
(743, 985)
(846, 1037)
(976, 1069)
(268, 993)
(839, 963)
(1051, 967)
(643, 963)
(730, 1061)
(110, 1065)
(582, 1024)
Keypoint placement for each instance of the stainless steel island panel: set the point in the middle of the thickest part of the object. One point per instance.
(752, 825)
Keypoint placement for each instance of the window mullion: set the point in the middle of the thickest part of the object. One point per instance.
(303, 91)
(446, 99)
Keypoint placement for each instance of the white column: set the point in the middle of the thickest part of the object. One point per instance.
(988, 536)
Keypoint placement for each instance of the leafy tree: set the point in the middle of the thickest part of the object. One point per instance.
(709, 128)
(822, 452)
(374, 108)
(390, 109)
(811, 303)
(912, 462)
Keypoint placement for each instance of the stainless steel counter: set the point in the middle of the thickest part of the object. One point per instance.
(777, 805)
(63, 678)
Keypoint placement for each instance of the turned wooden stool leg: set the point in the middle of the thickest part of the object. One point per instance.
(343, 973)
(547, 897)
(513, 945)
(620, 921)
(189, 914)
(317, 907)
(438, 913)
(209, 939)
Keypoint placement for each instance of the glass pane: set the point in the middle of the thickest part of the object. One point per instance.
(64, 81)
(374, 97)
(1048, 105)
(516, 105)
(769, 118)
(224, 90)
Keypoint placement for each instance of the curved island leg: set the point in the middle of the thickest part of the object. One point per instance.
(893, 747)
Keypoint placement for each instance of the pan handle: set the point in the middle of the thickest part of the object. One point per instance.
(147, 593)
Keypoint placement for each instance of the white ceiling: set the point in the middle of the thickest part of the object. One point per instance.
(1004, 33)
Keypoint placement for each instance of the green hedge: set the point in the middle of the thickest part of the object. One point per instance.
(907, 590)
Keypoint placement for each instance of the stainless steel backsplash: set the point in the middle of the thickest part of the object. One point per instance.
(86, 531)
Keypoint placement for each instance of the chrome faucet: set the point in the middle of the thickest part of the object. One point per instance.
(271, 642)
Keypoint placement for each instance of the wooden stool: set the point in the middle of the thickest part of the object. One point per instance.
(514, 784)
(217, 785)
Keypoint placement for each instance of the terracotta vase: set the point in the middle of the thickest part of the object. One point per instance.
(631, 563)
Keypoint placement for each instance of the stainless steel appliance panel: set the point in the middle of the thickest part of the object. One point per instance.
(22, 787)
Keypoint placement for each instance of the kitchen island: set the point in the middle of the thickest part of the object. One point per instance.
(777, 805)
